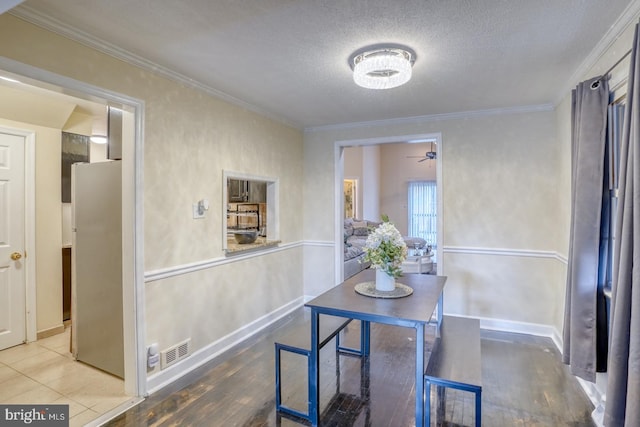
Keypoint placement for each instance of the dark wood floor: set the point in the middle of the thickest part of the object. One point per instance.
(524, 384)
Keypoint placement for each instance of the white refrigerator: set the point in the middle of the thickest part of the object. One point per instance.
(96, 278)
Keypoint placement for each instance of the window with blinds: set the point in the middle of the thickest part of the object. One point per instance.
(423, 211)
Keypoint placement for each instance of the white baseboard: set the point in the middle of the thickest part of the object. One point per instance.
(592, 392)
(163, 378)
(167, 376)
(598, 415)
(519, 328)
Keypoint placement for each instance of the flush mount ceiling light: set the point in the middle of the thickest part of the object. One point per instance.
(382, 67)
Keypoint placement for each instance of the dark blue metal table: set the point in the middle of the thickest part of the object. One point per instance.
(414, 311)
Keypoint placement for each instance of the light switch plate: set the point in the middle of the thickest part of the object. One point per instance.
(196, 214)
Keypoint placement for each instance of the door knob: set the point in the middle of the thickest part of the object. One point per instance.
(16, 256)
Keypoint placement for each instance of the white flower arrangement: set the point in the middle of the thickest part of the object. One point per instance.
(385, 248)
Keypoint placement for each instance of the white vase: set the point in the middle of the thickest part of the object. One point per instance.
(384, 282)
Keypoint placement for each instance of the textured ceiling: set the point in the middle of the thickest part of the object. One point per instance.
(289, 58)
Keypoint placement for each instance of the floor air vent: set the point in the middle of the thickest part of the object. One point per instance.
(173, 354)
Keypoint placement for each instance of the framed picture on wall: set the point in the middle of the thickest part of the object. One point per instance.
(350, 198)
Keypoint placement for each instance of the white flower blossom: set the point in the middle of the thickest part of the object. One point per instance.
(385, 248)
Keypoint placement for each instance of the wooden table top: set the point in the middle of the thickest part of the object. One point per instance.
(418, 307)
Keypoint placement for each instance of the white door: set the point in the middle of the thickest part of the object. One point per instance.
(12, 238)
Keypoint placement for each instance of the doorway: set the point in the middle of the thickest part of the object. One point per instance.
(394, 208)
(48, 84)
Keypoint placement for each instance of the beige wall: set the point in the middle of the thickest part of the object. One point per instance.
(48, 223)
(190, 137)
(499, 194)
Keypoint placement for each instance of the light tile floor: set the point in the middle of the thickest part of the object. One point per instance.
(45, 372)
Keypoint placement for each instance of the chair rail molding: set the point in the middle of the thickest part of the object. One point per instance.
(533, 253)
(178, 270)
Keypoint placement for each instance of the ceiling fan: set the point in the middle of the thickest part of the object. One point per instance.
(429, 155)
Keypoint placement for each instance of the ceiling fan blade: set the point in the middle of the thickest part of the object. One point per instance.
(422, 160)
(415, 157)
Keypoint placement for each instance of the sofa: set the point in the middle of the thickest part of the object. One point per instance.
(356, 232)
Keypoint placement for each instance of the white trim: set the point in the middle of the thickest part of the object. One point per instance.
(440, 202)
(471, 250)
(502, 325)
(133, 304)
(598, 399)
(628, 16)
(557, 339)
(111, 414)
(591, 391)
(338, 202)
(320, 243)
(178, 270)
(30, 235)
(35, 17)
(505, 252)
(215, 349)
(535, 329)
(133, 285)
(433, 118)
(616, 82)
(273, 203)
(338, 187)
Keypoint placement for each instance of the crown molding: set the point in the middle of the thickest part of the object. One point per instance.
(628, 16)
(34, 17)
(434, 117)
(51, 24)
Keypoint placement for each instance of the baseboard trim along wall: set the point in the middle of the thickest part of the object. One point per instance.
(50, 332)
(165, 377)
(517, 327)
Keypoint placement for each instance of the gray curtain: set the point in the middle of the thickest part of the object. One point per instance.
(623, 387)
(584, 317)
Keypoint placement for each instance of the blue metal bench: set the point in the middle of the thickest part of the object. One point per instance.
(455, 362)
(299, 342)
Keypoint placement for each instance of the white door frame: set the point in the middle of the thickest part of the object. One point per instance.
(338, 189)
(132, 206)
